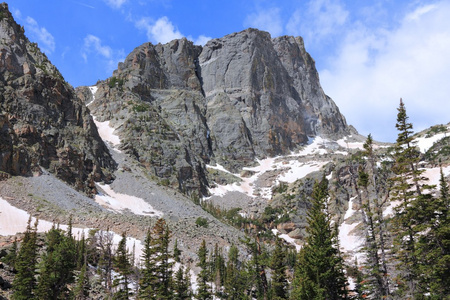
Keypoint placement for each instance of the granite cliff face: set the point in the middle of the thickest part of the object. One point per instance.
(42, 122)
(180, 106)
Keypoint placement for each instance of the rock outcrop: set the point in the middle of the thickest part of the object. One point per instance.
(42, 122)
(180, 106)
(244, 96)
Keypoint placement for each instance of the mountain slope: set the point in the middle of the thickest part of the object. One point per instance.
(43, 124)
(240, 97)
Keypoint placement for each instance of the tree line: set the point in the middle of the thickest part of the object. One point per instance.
(406, 253)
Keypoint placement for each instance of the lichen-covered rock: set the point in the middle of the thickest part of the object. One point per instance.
(42, 122)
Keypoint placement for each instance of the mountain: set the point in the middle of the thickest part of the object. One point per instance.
(239, 98)
(224, 142)
(43, 124)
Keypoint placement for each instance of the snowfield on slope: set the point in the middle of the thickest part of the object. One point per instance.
(119, 202)
(14, 220)
(289, 167)
(425, 143)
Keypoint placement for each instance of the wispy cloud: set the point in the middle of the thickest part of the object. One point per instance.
(84, 4)
(268, 19)
(320, 20)
(375, 67)
(44, 38)
(116, 4)
(93, 46)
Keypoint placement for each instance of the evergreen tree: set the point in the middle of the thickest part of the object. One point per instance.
(235, 281)
(279, 278)
(163, 263)
(433, 248)
(81, 291)
(11, 257)
(24, 281)
(413, 214)
(149, 279)
(203, 292)
(123, 266)
(57, 265)
(176, 251)
(182, 285)
(319, 272)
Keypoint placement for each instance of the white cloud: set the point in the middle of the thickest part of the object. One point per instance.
(161, 31)
(45, 40)
(93, 45)
(16, 13)
(201, 40)
(116, 4)
(266, 19)
(320, 19)
(375, 68)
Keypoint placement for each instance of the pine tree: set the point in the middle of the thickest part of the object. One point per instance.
(413, 214)
(163, 262)
(149, 279)
(319, 271)
(24, 281)
(203, 292)
(182, 285)
(123, 266)
(57, 265)
(176, 251)
(81, 291)
(433, 248)
(279, 278)
(235, 281)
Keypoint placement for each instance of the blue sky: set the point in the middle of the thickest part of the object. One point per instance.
(368, 53)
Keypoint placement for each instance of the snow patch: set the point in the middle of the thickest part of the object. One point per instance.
(119, 202)
(287, 238)
(299, 170)
(93, 90)
(350, 145)
(348, 241)
(106, 132)
(425, 143)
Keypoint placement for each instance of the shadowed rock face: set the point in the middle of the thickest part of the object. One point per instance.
(42, 122)
(179, 106)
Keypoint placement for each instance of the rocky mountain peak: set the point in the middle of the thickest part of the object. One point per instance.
(238, 98)
(43, 124)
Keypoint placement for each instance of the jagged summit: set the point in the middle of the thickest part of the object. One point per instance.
(238, 98)
(42, 122)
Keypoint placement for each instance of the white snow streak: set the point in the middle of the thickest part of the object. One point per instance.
(348, 241)
(107, 133)
(119, 202)
(93, 90)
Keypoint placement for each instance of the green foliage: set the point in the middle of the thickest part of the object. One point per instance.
(203, 292)
(140, 107)
(156, 280)
(123, 266)
(435, 130)
(57, 265)
(25, 282)
(279, 287)
(319, 272)
(201, 222)
(112, 82)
